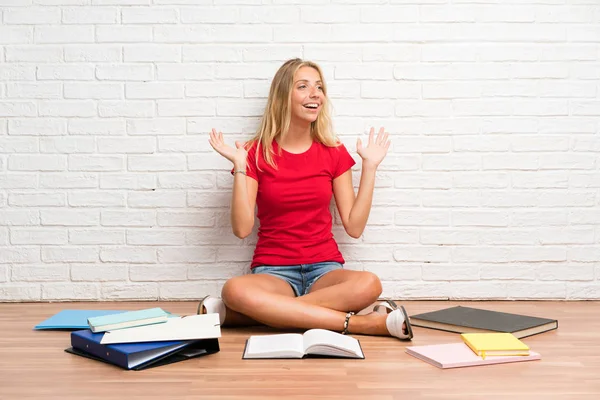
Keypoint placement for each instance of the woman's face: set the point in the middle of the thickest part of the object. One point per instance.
(307, 95)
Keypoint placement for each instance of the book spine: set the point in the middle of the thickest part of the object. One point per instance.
(481, 354)
(100, 350)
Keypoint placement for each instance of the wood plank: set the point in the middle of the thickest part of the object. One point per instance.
(33, 364)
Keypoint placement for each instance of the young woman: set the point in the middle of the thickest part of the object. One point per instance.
(290, 170)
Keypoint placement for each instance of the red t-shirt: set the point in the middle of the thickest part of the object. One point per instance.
(293, 204)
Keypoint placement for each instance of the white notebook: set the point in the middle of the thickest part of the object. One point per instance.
(191, 327)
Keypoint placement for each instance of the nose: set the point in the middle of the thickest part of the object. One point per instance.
(314, 92)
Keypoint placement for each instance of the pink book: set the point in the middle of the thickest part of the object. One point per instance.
(454, 355)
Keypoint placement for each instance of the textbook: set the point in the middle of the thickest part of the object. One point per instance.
(138, 356)
(456, 355)
(475, 320)
(128, 319)
(495, 344)
(313, 343)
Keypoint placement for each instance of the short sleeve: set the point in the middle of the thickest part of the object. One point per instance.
(344, 161)
(251, 163)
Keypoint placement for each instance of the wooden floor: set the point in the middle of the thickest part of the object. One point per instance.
(33, 364)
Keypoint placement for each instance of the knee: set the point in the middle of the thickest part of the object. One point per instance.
(372, 285)
(233, 293)
(367, 290)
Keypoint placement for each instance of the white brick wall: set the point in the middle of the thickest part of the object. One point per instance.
(110, 191)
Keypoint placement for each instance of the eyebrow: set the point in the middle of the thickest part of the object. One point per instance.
(306, 80)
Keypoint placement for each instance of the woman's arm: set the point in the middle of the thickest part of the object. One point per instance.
(243, 198)
(354, 210)
(243, 201)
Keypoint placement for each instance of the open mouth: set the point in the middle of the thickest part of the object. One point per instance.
(311, 106)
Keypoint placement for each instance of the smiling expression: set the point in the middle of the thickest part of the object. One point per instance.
(308, 96)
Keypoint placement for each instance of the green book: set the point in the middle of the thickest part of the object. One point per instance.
(128, 319)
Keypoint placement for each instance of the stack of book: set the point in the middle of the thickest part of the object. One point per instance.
(488, 337)
(148, 338)
(476, 349)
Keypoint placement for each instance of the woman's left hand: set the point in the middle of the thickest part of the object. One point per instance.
(376, 149)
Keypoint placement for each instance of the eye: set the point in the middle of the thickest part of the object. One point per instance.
(321, 88)
(301, 86)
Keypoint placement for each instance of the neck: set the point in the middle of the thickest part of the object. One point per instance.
(297, 135)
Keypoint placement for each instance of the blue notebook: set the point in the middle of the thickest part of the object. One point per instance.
(72, 319)
(128, 319)
(137, 356)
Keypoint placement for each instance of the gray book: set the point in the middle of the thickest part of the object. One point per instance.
(466, 319)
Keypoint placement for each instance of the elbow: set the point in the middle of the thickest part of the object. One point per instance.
(241, 232)
(354, 233)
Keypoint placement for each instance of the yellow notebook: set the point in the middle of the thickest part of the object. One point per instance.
(495, 344)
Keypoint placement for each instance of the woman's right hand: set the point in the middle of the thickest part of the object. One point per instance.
(236, 155)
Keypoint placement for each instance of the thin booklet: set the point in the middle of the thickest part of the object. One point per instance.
(313, 343)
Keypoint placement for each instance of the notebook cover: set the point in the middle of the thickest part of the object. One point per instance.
(72, 319)
(456, 355)
(481, 319)
(121, 317)
(191, 327)
(493, 342)
(89, 342)
(191, 349)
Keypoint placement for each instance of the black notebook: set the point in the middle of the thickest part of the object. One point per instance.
(466, 319)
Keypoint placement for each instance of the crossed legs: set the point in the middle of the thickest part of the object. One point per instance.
(271, 301)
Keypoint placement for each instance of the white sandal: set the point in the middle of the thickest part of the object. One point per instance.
(380, 306)
(394, 322)
(210, 305)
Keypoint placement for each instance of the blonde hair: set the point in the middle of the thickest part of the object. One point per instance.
(276, 118)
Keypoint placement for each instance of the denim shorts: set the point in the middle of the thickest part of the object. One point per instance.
(300, 277)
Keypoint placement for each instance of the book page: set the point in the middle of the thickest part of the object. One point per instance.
(321, 341)
(275, 346)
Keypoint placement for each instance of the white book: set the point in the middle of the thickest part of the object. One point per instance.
(192, 327)
(314, 342)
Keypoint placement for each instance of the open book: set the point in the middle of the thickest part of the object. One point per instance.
(314, 342)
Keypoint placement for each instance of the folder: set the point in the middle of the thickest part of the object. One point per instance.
(72, 319)
(139, 356)
(191, 327)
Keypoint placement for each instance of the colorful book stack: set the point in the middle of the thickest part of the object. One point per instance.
(476, 349)
(489, 337)
(148, 338)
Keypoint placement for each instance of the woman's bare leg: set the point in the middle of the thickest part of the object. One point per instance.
(235, 318)
(269, 300)
(344, 290)
(341, 290)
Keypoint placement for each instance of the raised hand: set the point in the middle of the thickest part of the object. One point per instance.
(376, 149)
(236, 155)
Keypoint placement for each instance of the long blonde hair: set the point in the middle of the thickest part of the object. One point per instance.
(276, 119)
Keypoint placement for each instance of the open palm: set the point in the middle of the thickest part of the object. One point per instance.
(236, 155)
(376, 149)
